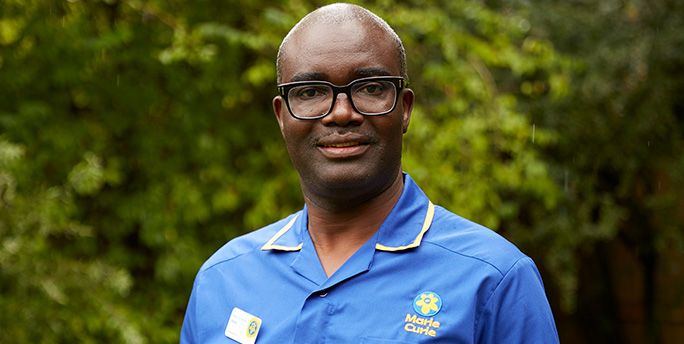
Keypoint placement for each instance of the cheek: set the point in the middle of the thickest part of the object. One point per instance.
(295, 134)
(390, 135)
(394, 131)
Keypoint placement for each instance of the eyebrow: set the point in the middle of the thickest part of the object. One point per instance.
(359, 73)
(308, 76)
(372, 71)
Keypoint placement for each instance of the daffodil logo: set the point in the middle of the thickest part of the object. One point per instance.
(427, 303)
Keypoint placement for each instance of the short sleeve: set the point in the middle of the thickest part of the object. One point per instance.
(517, 310)
(187, 331)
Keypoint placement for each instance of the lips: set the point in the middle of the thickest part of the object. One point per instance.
(348, 145)
(342, 145)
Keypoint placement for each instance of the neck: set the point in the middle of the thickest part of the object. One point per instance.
(339, 231)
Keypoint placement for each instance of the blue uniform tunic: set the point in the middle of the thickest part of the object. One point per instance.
(426, 276)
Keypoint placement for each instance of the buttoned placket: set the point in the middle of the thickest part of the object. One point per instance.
(320, 305)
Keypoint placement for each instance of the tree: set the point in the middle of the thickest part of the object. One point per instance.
(619, 157)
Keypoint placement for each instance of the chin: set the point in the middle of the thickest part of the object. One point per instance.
(348, 178)
(350, 182)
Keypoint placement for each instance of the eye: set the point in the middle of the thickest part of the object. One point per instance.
(310, 92)
(372, 88)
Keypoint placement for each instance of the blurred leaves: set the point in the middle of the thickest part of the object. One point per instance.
(87, 176)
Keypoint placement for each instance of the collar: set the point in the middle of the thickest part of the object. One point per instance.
(403, 228)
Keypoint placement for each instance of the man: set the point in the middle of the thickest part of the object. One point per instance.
(369, 259)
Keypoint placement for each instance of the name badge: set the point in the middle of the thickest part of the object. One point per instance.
(242, 327)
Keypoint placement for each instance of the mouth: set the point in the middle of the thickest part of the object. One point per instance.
(342, 144)
(342, 147)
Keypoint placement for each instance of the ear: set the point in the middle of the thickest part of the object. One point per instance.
(278, 107)
(407, 97)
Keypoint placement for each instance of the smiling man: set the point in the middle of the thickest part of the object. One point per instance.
(369, 259)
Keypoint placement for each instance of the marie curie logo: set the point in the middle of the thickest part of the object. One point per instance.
(427, 303)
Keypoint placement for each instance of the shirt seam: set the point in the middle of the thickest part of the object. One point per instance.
(471, 256)
(491, 293)
(226, 260)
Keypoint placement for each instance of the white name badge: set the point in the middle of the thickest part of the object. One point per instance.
(242, 327)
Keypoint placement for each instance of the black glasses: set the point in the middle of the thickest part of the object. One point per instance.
(373, 96)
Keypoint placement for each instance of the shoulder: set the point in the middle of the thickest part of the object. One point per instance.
(245, 244)
(461, 236)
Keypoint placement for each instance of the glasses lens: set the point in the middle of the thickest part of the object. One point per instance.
(370, 97)
(310, 100)
(374, 96)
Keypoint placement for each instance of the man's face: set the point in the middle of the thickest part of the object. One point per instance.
(344, 155)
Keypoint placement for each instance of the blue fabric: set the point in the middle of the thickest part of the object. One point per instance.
(463, 283)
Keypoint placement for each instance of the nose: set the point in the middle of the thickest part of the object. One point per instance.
(342, 113)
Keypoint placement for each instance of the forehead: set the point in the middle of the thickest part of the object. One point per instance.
(339, 53)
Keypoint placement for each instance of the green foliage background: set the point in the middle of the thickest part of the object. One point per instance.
(136, 137)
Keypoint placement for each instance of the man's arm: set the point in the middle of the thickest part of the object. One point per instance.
(188, 332)
(517, 311)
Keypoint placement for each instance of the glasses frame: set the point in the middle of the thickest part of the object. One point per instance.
(399, 82)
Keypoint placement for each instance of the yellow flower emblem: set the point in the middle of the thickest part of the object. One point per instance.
(427, 303)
